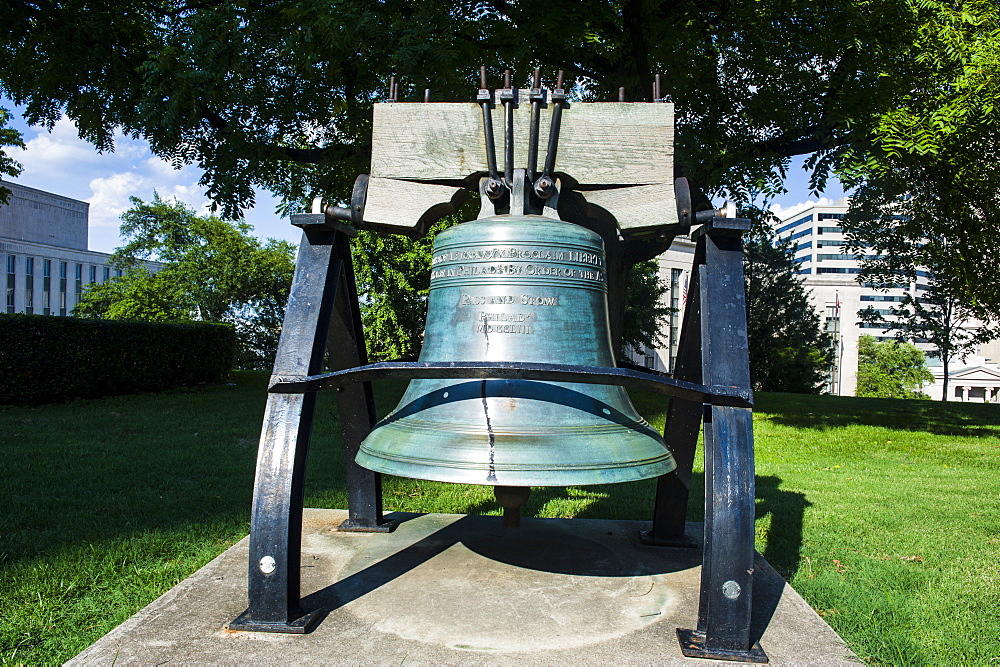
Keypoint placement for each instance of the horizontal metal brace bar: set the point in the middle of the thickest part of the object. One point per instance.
(321, 220)
(464, 370)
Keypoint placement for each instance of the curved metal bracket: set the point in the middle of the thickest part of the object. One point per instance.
(457, 370)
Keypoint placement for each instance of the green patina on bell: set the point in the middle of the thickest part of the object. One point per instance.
(517, 289)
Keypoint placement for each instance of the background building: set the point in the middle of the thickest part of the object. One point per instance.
(43, 252)
(675, 272)
(830, 276)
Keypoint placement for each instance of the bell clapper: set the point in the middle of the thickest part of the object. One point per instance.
(511, 498)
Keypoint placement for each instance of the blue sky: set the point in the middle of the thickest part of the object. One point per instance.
(62, 163)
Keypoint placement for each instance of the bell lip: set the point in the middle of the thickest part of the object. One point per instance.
(520, 474)
(483, 476)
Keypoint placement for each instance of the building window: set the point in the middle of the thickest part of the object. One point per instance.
(882, 297)
(62, 288)
(831, 216)
(93, 273)
(29, 285)
(820, 258)
(46, 287)
(78, 288)
(837, 270)
(107, 274)
(676, 296)
(829, 230)
(793, 225)
(11, 281)
(118, 273)
(798, 235)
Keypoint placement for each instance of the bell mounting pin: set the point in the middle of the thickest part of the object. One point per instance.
(545, 185)
(494, 187)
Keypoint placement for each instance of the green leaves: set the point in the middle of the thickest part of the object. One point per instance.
(890, 369)
(279, 96)
(645, 314)
(213, 270)
(8, 166)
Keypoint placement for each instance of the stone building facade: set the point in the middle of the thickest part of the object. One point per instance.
(43, 252)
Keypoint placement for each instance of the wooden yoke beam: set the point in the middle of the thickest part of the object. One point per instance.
(426, 156)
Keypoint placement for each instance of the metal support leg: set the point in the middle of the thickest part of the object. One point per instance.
(276, 519)
(727, 564)
(356, 403)
(681, 430)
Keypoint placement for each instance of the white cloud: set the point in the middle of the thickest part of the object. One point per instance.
(58, 153)
(62, 163)
(788, 211)
(111, 197)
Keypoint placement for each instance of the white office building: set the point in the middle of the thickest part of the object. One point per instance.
(830, 276)
(43, 252)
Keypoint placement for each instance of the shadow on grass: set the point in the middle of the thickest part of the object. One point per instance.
(826, 412)
(783, 542)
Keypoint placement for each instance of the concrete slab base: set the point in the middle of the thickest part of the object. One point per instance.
(451, 589)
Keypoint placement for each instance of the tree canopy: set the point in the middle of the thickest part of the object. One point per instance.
(645, 311)
(890, 369)
(213, 270)
(928, 192)
(278, 95)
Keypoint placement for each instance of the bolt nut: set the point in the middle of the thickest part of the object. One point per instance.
(544, 187)
(731, 589)
(494, 188)
(267, 565)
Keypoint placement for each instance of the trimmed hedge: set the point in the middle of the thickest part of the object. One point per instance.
(45, 359)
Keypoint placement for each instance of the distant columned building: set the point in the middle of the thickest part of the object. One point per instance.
(830, 275)
(43, 252)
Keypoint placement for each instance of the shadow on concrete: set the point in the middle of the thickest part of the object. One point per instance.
(574, 547)
(548, 545)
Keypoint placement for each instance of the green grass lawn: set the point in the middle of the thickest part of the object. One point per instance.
(883, 514)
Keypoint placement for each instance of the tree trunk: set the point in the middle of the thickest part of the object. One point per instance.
(945, 360)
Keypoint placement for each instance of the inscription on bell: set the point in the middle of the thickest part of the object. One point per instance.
(504, 328)
(507, 299)
(517, 270)
(504, 317)
(515, 253)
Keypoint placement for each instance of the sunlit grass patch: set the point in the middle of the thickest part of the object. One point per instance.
(882, 513)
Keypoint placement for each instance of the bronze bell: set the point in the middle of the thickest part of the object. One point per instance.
(520, 289)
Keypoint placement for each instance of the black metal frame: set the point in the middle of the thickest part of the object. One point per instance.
(711, 385)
